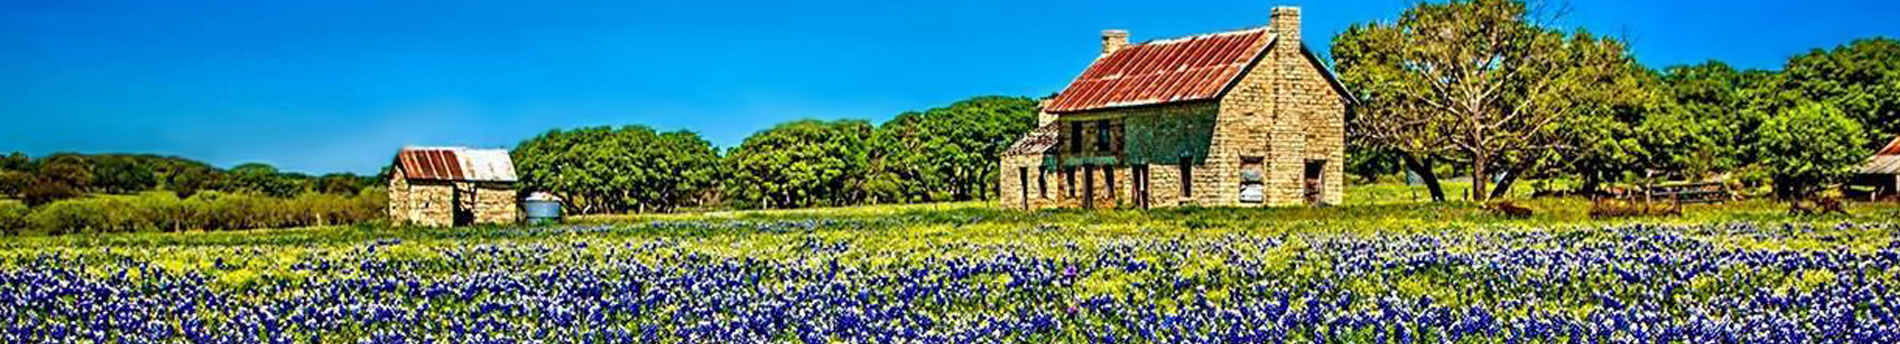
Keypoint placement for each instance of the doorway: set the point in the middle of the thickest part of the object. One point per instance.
(1315, 181)
(462, 201)
(1022, 182)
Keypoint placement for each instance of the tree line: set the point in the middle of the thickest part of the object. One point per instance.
(941, 154)
(60, 176)
(1488, 89)
(70, 192)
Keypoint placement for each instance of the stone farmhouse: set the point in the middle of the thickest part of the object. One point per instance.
(452, 186)
(1239, 118)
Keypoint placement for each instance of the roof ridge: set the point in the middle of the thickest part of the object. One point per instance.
(1178, 39)
(449, 148)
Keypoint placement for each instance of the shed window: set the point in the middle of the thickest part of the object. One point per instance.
(1102, 139)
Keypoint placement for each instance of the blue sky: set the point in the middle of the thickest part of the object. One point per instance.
(320, 86)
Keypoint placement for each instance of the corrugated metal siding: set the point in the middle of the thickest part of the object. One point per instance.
(1166, 71)
(1886, 161)
(456, 164)
(488, 165)
(1881, 164)
(430, 165)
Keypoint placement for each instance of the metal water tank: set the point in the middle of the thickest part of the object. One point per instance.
(542, 208)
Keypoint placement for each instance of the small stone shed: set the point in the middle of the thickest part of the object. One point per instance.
(453, 186)
(1243, 118)
(1882, 171)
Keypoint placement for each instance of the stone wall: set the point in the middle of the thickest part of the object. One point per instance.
(432, 203)
(1157, 137)
(421, 203)
(495, 203)
(1285, 112)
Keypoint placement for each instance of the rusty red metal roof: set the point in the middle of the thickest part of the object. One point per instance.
(1164, 71)
(455, 164)
(1893, 148)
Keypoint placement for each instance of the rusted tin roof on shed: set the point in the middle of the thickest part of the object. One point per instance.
(1036, 142)
(1886, 161)
(1164, 71)
(456, 164)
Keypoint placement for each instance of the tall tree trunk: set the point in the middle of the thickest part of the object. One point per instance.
(1424, 172)
(1479, 178)
(1590, 185)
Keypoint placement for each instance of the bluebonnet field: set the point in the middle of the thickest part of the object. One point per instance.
(961, 278)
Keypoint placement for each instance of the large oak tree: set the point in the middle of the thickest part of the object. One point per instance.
(1481, 84)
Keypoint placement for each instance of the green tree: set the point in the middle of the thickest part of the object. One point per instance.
(189, 181)
(15, 161)
(118, 174)
(13, 217)
(342, 183)
(1727, 106)
(1809, 147)
(13, 182)
(1618, 140)
(265, 180)
(632, 168)
(1479, 83)
(1861, 78)
(1676, 143)
(1371, 162)
(72, 170)
(947, 153)
(800, 164)
(48, 190)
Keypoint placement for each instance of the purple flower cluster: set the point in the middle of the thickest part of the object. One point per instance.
(1733, 283)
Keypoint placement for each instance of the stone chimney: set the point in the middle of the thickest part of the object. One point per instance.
(1286, 24)
(1113, 40)
(1043, 117)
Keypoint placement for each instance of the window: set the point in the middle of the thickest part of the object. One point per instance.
(1075, 137)
(1101, 136)
(1252, 183)
(1022, 181)
(1187, 176)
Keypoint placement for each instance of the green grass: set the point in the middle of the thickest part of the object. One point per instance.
(1368, 209)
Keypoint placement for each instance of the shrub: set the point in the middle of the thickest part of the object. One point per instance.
(1809, 147)
(210, 210)
(12, 217)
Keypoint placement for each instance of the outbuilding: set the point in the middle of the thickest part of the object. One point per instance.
(452, 186)
(1882, 171)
